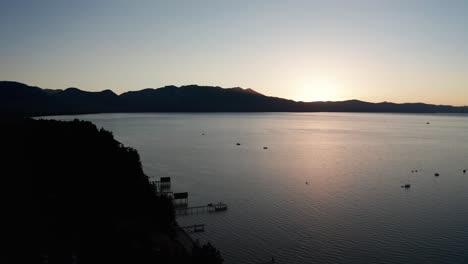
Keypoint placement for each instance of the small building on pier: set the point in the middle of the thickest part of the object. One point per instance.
(181, 198)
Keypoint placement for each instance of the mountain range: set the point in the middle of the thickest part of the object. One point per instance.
(21, 99)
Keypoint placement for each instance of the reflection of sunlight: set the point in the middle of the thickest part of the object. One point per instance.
(319, 90)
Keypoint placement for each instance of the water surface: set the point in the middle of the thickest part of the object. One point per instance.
(351, 211)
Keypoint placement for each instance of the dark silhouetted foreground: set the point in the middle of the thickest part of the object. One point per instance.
(75, 195)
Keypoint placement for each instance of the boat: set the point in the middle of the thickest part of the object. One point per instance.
(238, 144)
(406, 186)
(436, 174)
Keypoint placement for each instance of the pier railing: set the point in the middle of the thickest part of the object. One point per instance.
(210, 208)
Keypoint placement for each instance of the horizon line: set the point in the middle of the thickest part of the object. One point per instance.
(298, 101)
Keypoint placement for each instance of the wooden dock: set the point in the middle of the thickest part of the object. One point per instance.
(210, 208)
(179, 199)
(164, 183)
(194, 228)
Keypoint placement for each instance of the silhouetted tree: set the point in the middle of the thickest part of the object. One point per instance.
(206, 254)
(76, 195)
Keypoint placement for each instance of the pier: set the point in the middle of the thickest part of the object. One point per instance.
(180, 198)
(164, 183)
(210, 208)
(180, 202)
(194, 228)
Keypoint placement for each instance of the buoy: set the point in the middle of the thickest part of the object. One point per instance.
(464, 171)
(307, 183)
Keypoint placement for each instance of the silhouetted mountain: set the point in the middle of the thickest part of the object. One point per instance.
(23, 99)
(75, 100)
(18, 98)
(27, 100)
(193, 98)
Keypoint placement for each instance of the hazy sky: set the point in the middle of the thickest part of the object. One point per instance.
(403, 51)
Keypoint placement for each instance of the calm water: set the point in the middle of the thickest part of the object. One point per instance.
(353, 209)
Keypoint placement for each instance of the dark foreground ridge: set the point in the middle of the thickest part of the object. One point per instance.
(21, 99)
(76, 195)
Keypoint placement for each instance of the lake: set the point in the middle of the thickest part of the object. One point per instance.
(327, 189)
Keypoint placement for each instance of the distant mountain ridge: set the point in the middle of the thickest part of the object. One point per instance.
(21, 99)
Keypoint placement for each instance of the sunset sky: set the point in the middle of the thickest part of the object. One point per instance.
(401, 51)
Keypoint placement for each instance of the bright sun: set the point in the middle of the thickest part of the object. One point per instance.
(319, 90)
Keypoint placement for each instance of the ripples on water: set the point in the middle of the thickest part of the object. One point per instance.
(353, 209)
